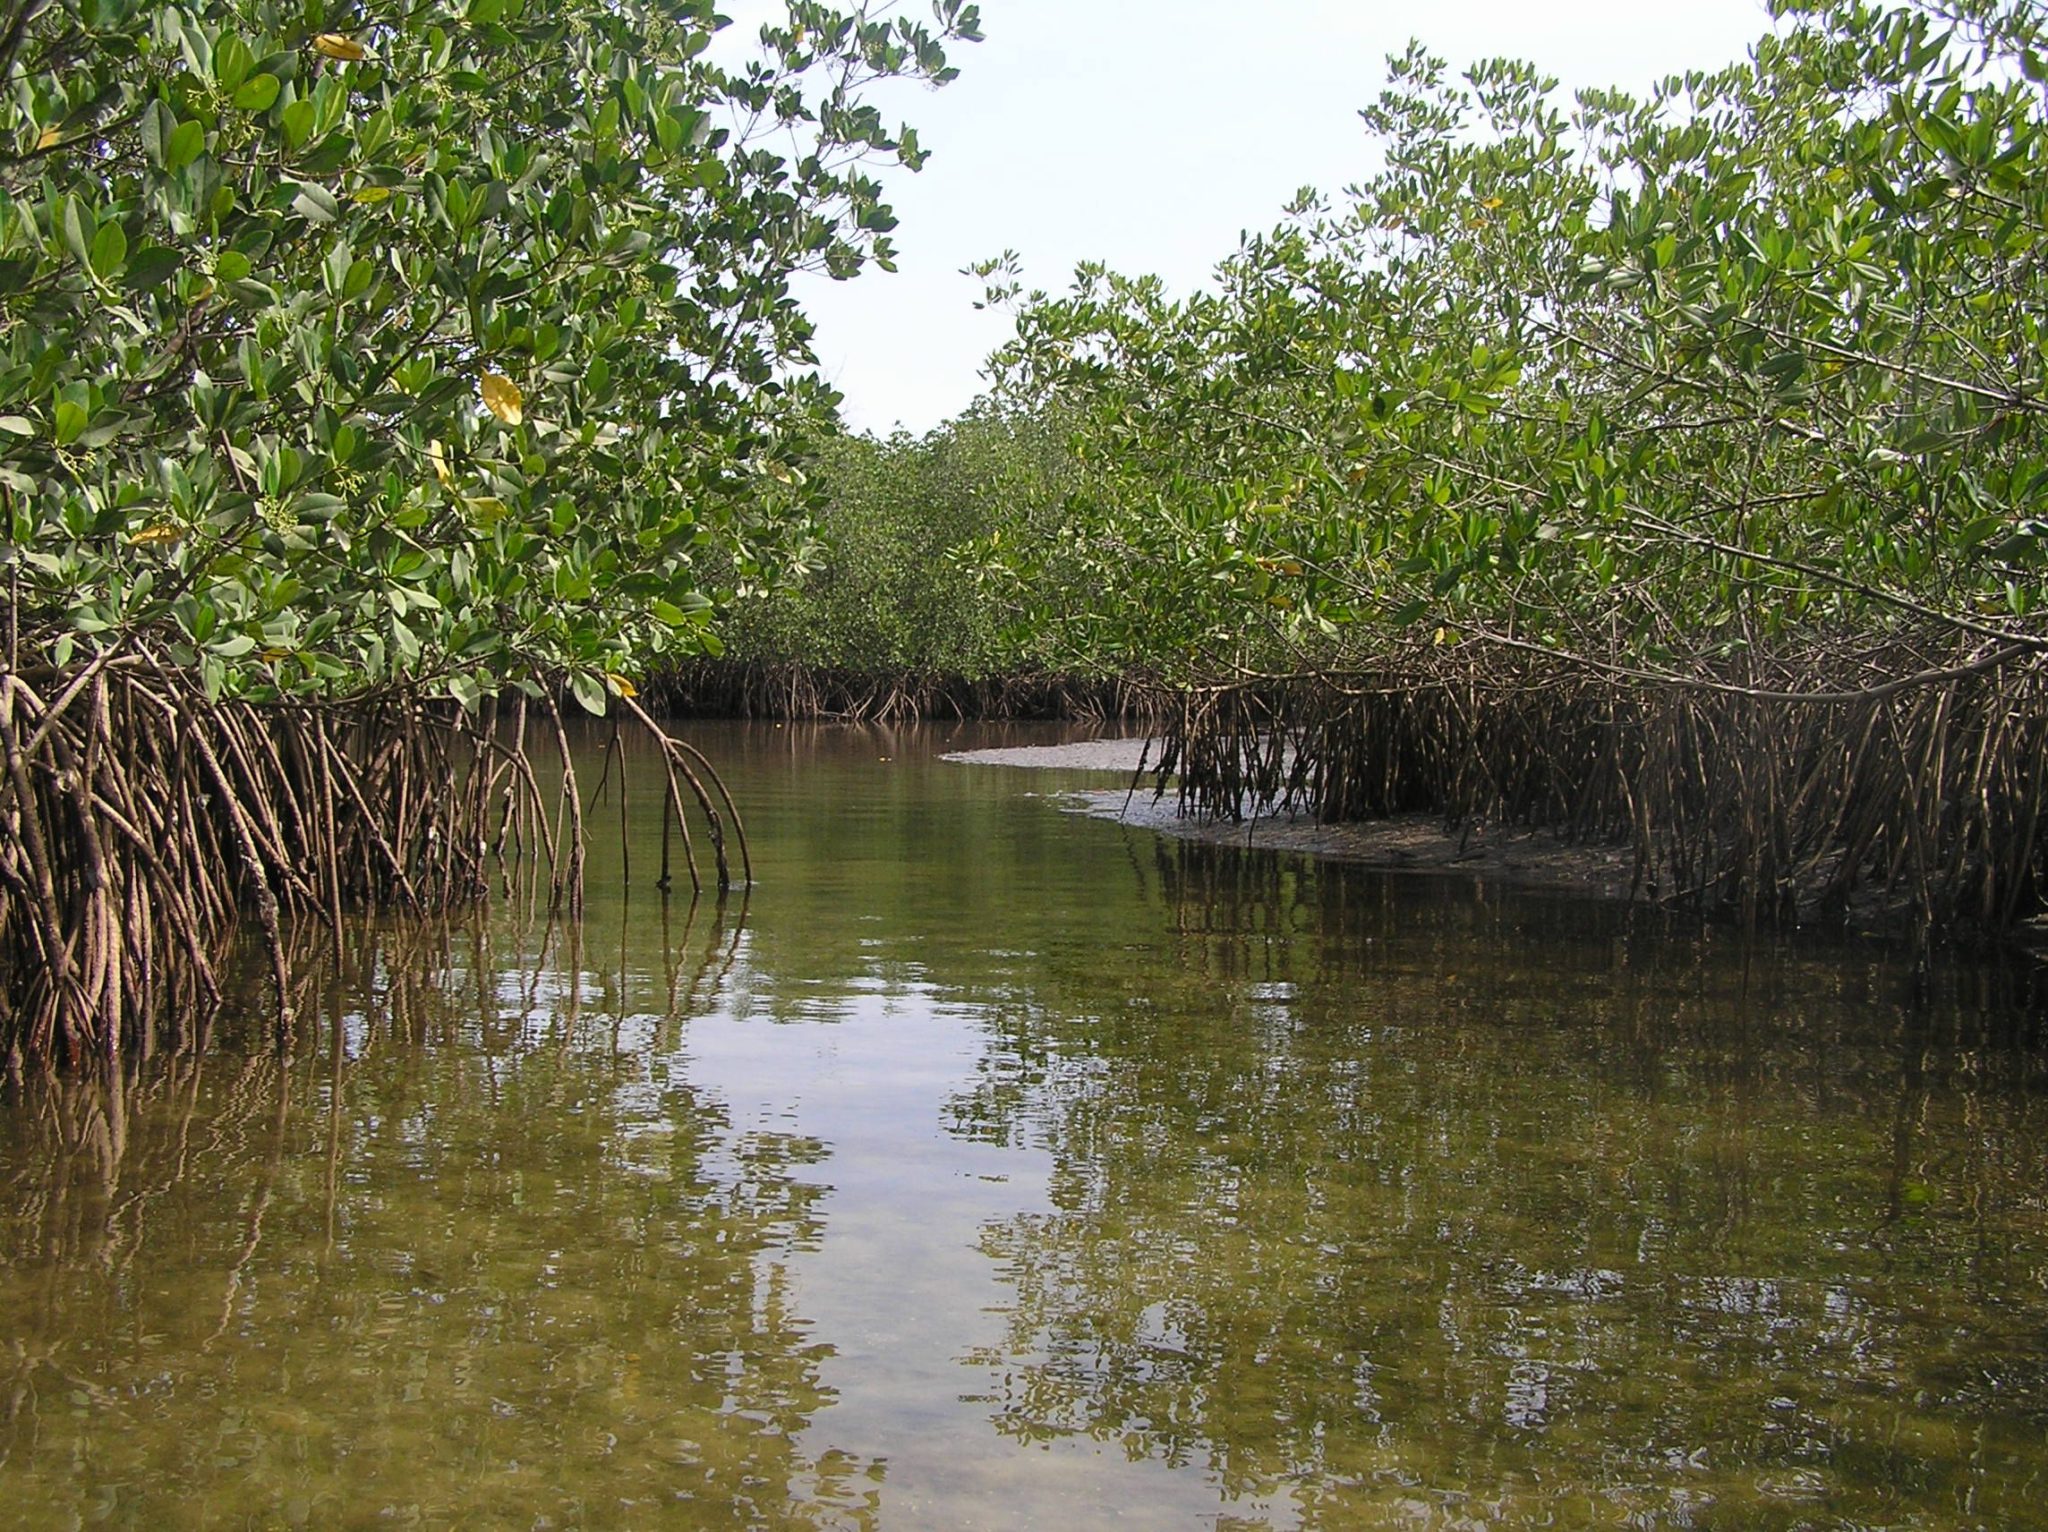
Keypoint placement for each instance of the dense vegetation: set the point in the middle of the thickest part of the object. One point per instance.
(358, 372)
(1668, 467)
(888, 615)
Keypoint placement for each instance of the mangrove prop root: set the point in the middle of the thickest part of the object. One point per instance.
(142, 822)
(1822, 790)
(687, 763)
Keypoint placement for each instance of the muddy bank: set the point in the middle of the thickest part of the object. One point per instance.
(1122, 755)
(1416, 843)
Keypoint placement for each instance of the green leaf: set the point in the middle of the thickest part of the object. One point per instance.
(297, 122)
(258, 93)
(335, 267)
(69, 422)
(186, 143)
(157, 127)
(374, 132)
(150, 266)
(109, 250)
(232, 62)
(1978, 530)
(405, 641)
(315, 203)
(588, 692)
(71, 226)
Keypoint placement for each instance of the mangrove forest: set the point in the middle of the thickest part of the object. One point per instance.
(1407, 888)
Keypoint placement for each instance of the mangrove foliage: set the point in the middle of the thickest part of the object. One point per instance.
(369, 382)
(1664, 467)
(888, 615)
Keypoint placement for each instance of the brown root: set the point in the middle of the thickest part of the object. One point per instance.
(141, 820)
(1821, 793)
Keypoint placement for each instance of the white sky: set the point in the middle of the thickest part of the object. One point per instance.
(1148, 133)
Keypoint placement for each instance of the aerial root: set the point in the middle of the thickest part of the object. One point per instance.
(140, 821)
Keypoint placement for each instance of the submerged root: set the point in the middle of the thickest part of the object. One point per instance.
(141, 821)
(1807, 788)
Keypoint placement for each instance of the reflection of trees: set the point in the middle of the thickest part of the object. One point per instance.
(1361, 1195)
(884, 868)
(1457, 1198)
(476, 1251)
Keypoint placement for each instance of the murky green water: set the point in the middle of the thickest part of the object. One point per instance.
(992, 1167)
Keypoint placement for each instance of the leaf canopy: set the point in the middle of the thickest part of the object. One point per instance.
(1675, 383)
(344, 349)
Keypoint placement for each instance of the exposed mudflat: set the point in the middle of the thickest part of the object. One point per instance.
(1412, 842)
(1416, 842)
(1082, 755)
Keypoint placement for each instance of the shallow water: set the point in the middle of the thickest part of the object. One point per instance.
(991, 1166)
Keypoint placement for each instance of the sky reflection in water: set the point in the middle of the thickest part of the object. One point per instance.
(987, 1166)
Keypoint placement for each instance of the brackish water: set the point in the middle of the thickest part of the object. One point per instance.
(994, 1167)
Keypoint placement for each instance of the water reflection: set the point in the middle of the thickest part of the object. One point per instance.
(1442, 1211)
(332, 1287)
(987, 1166)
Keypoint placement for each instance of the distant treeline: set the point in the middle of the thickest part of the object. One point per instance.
(1669, 468)
(734, 688)
(897, 609)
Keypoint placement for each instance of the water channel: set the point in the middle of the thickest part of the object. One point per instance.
(993, 1166)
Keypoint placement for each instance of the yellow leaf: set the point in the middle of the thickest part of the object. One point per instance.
(438, 457)
(503, 399)
(273, 654)
(620, 685)
(161, 532)
(336, 46)
(370, 194)
(48, 137)
(1491, 203)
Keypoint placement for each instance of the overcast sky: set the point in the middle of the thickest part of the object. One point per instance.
(1149, 133)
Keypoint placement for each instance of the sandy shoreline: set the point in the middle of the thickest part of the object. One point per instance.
(1411, 843)
(1121, 755)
